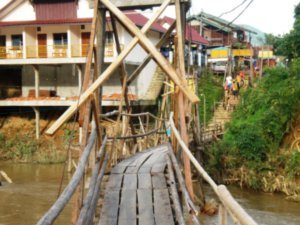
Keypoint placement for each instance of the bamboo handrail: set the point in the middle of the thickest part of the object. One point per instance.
(92, 188)
(116, 112)
(66, 195)
(135, 135)
(221, 191)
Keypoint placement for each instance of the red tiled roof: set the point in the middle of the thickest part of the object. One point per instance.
(190, 33)
(141, 20)
(45, 22)
(135, 17)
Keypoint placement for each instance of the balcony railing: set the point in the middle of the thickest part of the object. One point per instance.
(50, 51)
(11, 52)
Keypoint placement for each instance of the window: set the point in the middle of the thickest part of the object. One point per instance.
(109, 37)
(17, 41)
(2, 40)
(60, 40)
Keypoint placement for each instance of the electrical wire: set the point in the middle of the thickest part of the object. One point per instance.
(232, 10)
(241, 13)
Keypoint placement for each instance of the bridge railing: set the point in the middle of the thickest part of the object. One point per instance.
(89, 204)
(228, 204)
(148, 130)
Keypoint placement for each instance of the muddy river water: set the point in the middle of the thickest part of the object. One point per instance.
(35, 188)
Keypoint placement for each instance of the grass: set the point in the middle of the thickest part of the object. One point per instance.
(210, 88)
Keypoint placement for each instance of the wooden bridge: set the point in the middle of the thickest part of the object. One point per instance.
(152, 186)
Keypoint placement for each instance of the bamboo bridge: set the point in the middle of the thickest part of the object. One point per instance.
(154, 184)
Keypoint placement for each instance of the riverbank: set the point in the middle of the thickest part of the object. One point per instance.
(18, 142)
(259, 149)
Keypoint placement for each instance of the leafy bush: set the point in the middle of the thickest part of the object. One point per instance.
(211, 87)
(258, 125)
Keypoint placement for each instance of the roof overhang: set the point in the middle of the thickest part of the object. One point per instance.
(139, 4)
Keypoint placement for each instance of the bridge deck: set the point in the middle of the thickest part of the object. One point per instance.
(138, 191)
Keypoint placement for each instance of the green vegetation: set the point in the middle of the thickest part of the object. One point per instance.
(210, 89)
(23, 147)
(251, 147)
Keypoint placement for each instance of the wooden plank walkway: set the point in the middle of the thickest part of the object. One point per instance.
(138, 191)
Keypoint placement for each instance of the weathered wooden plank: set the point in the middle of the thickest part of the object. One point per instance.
(115, 182)
(127, 215)
(139, 162)
(144, 181)
(158, 168)
(159, 181)
(130, 182)
(145, 207)
(118, 169)
(109, 213)
(162, 207)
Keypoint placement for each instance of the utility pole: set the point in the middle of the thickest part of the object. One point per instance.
(261, 62)
(251, 66)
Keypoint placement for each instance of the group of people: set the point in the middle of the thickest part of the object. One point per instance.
(233, 85)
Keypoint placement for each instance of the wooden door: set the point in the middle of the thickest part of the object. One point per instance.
(42, 45)
(2, 47)
(85, 41)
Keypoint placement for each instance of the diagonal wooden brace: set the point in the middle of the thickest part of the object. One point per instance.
(105, 75)
(149, 47)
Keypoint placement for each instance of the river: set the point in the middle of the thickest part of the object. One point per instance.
(35, 188)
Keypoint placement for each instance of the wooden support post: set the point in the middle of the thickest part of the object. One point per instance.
(36, 80)
(149, 47)
(5, 177)
(37, 122)
(85, 112)
(107, 73)
(222, 215)
(161, 42)
(261, 62)
(251, 69)
(79, 72)
(181, 101)
(123, 76)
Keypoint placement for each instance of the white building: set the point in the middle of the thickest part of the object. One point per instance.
(43, 46)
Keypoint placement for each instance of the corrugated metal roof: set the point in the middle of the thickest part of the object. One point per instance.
(190, 33)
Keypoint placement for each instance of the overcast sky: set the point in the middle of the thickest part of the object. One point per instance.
(270, 16)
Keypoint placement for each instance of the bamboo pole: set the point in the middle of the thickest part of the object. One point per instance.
(66, 195)
(89, 196)
(174, 193)
(149, 47)
(105, 75)
(161, 42)
(187, 199)
(225, 197)
(5, 176)
(123, 77)
(181, 100)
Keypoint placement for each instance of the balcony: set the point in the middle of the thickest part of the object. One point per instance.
(58, 52)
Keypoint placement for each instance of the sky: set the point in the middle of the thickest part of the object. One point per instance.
(269, 16)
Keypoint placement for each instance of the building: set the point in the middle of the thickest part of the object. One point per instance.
(43, 48)
(195, 44)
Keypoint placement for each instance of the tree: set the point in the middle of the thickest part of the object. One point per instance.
(289, 44)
